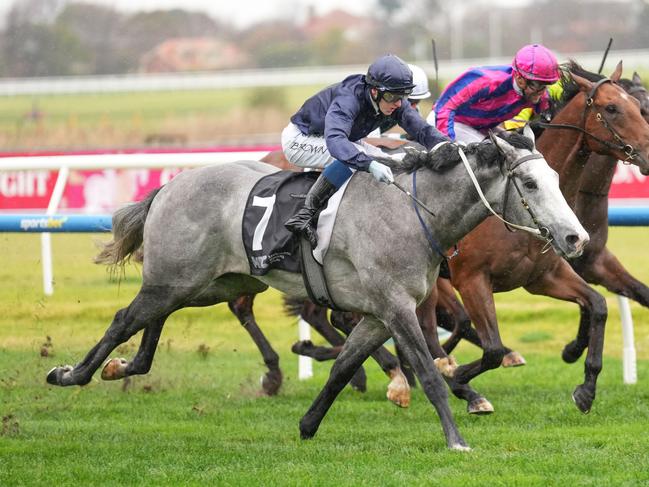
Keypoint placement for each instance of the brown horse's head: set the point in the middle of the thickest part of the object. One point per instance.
(613, 120)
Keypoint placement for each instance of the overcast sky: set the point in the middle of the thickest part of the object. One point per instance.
(239, 12)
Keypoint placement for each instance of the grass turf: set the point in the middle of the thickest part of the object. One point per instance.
(198, 419)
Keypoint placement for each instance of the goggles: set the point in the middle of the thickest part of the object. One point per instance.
(393, 96)
(536, 86)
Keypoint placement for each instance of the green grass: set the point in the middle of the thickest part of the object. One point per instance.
(197, 419)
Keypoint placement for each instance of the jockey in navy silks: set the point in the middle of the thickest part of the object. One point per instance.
(326, 132)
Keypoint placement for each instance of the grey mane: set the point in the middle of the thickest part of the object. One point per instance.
(447, 157)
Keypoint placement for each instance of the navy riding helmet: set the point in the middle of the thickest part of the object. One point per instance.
(390, 73)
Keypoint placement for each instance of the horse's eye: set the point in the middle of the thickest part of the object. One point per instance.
(611, 108)
(530, 185)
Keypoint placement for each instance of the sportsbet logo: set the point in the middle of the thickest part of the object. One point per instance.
(49, 223)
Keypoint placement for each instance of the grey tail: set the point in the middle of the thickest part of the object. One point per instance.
(128, 233)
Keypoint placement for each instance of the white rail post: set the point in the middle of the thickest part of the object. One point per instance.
(628, 347)
(304, 364)
(46, 238)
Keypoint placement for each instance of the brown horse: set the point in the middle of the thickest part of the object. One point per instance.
(598, 117)
(598, 265)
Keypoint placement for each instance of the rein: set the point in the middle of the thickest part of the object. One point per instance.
(628, 149)
(416, 204)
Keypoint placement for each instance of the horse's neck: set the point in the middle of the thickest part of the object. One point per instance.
(454, 200)
(562, 149)
(598, 175)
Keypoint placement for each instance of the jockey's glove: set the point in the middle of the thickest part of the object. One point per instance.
(381, 172)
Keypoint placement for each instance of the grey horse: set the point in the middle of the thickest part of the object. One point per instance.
(380, 263)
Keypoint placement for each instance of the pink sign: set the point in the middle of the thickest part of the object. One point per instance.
(102, 191)
(96, 191)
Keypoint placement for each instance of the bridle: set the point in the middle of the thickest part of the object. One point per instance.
(539, 231)
(630, 151)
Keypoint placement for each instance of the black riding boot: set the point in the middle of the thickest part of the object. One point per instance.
(316, 198)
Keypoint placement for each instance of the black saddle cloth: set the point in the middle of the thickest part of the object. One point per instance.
(273, 200)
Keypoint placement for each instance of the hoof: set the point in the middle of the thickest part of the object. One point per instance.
(446, 366)
(307, 432)
(513, 359)
(459, 447)
(571, 353)
(271, 382)
(302, 347)
(583, 399)
(55, 376)
(114, 369)
(480, 406)
(359, 381)
(398, 389)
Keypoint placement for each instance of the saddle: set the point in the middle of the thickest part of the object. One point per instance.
(269, 244)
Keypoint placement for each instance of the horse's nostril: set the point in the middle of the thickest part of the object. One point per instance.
(572, 239)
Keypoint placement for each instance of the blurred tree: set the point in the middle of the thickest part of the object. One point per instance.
(275, 44)
(33, 45)
(389, 7)
(43, 50)
(99, 36)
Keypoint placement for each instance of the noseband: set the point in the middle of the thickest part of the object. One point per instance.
(628, 149)
(543, 231)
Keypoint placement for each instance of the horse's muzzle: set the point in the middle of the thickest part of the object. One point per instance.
(575, 245)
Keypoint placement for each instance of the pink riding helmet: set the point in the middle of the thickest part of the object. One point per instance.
(536, 62)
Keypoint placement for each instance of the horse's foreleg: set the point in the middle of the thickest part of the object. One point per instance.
(452, 316)
(408, 335)
(478, 299)
(151, 306)
(242, 309)
(606, 270)
(428, 323)
(367, 336)
(563, 283)
(321, 354)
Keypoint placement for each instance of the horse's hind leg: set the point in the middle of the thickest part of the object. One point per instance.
(118, 368)
(151, 306)
(242, 309)
(316, 316)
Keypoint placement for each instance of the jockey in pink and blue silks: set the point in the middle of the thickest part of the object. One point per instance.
(483, 97)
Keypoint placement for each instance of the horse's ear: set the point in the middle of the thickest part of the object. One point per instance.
(529, 133)
(504, 147)
(617, 74)
(583, 83)
(636, 79)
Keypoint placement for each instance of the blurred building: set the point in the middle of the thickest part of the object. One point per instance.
(192, 54)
